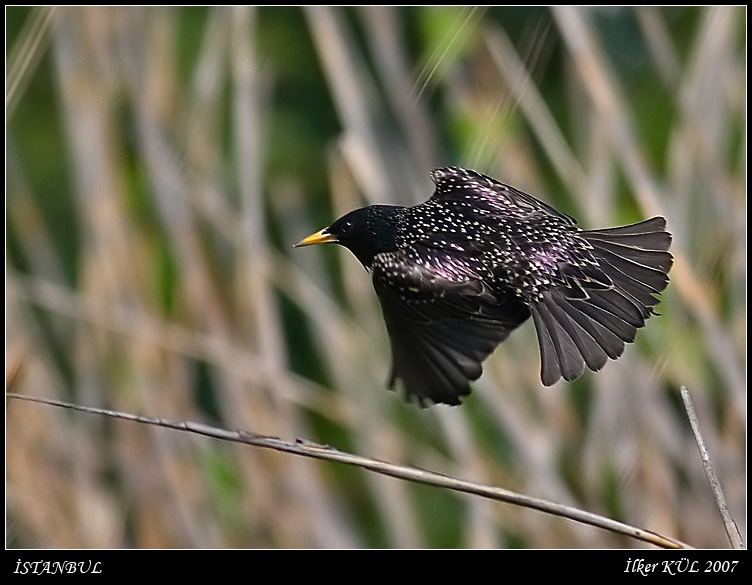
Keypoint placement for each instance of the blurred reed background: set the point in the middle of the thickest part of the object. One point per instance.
(160, 164)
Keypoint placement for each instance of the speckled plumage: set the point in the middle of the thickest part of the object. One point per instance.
(456, 274)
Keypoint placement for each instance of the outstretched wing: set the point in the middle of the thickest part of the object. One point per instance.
(441, 326)
(457, 184)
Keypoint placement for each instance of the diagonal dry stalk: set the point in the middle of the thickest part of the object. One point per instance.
(732, 529)
(324, 452)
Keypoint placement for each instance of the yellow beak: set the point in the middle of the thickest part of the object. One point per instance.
(320, 237)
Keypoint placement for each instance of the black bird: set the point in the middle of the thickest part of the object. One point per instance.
(456, 274)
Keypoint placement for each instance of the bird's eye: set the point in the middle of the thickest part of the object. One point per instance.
(346, 227)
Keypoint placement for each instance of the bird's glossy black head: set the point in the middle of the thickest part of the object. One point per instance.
(365, 232)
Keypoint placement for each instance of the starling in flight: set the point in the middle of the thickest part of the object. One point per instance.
(456, 274)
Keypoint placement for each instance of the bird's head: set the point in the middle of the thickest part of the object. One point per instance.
(365, 232)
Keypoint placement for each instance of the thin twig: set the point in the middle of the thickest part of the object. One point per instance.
(732, 529)
(26, 54)
(317, 451)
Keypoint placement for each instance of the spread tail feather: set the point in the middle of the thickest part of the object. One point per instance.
(578, 330)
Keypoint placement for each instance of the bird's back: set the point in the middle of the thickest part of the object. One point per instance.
(509, 239)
